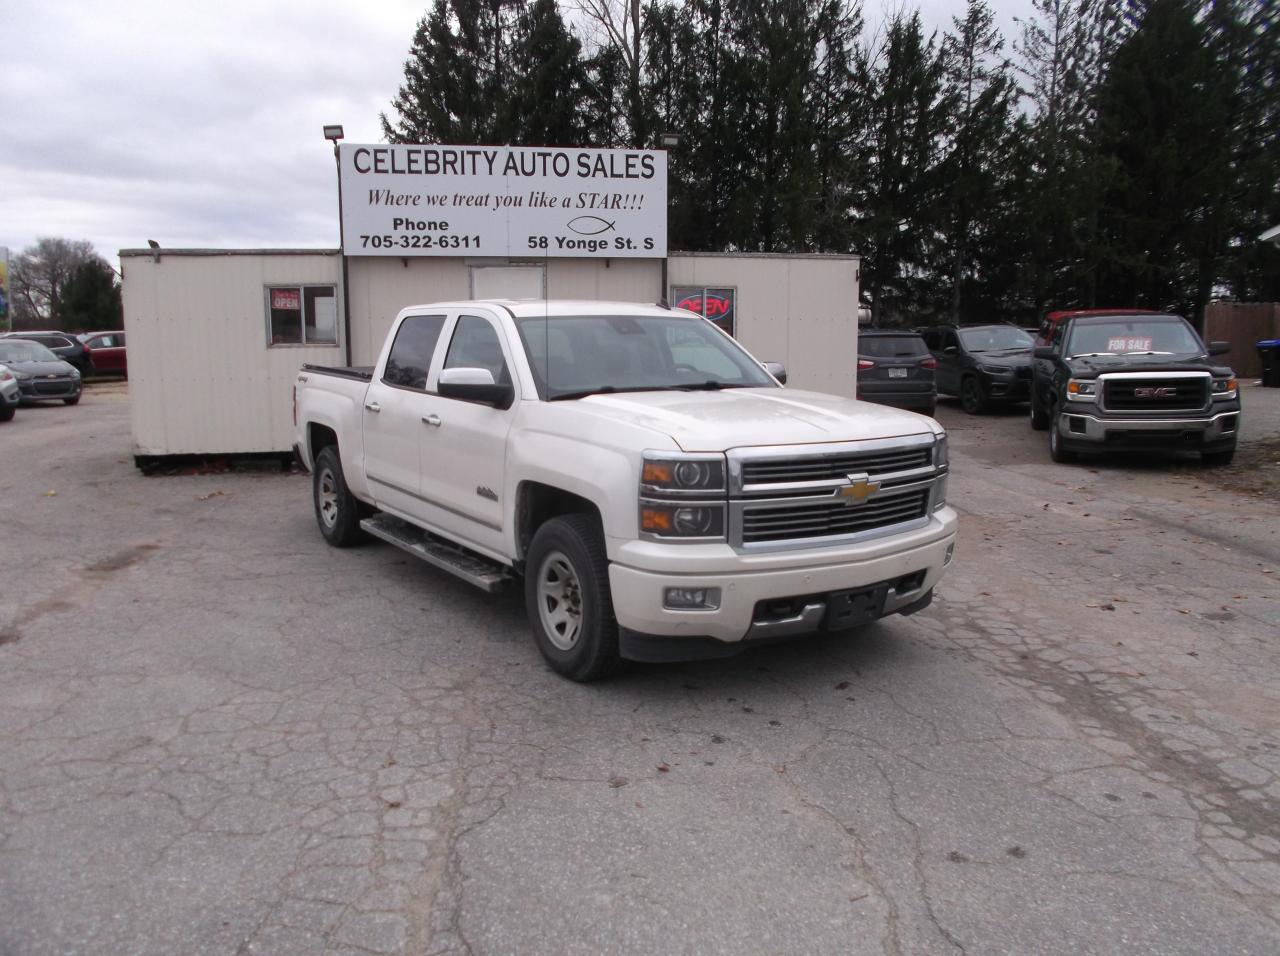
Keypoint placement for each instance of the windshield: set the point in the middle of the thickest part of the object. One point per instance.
(23, 351)
(891, 346)
(995, 338)
(574, 356)
(1134, 336)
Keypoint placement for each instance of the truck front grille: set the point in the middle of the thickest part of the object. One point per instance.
(774, 472)
(832, 519)
(1156, 394)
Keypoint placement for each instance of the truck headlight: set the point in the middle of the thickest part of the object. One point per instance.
(674, 520)
(996, 369)
(940, 452)
(1224, 388)
(1079, 391)
(681, 473)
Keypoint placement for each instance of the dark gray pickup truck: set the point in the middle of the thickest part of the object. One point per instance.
(1133, 382)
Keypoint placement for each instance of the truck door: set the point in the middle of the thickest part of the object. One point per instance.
(465, 444)
(394, 407)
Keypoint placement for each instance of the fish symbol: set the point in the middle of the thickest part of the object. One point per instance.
(589, 225)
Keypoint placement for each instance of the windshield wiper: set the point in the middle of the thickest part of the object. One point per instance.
(1148, 352)
(1091, 354)
(607, 390)
(708, 386)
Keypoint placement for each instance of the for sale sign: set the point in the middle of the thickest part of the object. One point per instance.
(503, 201)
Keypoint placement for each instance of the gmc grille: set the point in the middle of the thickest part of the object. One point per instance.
(794, 522)
(1156, 394)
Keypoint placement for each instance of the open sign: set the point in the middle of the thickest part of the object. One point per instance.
(714, 304)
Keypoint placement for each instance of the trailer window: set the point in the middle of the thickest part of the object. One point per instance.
(302, 315)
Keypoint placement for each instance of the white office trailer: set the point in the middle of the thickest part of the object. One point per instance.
(216, 336)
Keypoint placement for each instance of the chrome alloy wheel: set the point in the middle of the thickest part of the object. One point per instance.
(559, 601)
(328, 498)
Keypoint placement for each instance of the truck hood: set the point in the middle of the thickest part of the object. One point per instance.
(734, 418)
(1091, 365)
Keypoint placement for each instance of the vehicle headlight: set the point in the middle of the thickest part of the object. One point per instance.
(667, 520)
(996, 369)
(75, 373)
(690, 474)
(1081, 391)
(22, 376)
(940, 452)
(1224, 388)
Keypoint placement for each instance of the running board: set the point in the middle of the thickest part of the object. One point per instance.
(483, 573)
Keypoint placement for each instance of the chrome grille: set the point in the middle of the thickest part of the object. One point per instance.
(776, 472)
(831, 519)
(1156, 394)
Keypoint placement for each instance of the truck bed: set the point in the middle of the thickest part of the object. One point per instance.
(362, 373)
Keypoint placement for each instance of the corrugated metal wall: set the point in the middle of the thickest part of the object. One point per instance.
(201, 377)
(798, 310)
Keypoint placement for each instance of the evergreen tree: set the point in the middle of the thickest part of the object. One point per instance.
(839, 119)
(91, 299)
(548, 82)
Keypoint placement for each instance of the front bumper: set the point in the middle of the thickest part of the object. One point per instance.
(47, 390)
(1086, 430)
(920, 396)
(907, 565)
(9, 393)
(1007, 388)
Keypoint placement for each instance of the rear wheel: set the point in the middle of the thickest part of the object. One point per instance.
(566, 589)
(973, 395)
(1056, 450)
(337, 510)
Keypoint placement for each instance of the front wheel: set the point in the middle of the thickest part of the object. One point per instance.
(337, 510)
(566, 590)
(973, 396)
(1056, 450)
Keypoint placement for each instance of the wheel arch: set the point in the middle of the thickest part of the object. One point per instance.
(536, 504)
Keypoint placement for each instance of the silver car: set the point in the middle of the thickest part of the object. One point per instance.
(8, 393)
(41, 375)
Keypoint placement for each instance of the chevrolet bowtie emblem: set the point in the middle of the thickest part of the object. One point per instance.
(859, 489)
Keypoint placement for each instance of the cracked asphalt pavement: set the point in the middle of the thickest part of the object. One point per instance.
(218, 735)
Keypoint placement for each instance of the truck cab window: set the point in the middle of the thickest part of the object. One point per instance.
(475, 345)
(410, 357)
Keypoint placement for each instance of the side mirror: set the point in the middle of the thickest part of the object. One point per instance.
(777, 370)
(474, 385)
(1219, 348)
(1044, 352)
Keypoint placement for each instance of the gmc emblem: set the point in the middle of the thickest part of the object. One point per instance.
(1155, 393)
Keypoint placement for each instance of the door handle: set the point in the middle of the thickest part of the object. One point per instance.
(373, 406)
(432, 420)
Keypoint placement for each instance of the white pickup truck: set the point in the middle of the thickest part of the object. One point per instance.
(659, 491)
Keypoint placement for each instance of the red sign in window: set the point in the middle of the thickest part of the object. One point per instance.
(286, 299)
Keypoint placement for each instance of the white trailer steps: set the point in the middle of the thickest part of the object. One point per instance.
(483, 573)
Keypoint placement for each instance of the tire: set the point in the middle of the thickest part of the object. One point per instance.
(6, 411)
(71, 401)
(337, 510)
(973, 395)
(1058, 453)
(1217, 459)
(1039, 417)
(566, 589)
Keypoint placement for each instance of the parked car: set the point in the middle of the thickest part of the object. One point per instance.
(107, 352)
(8, 393)
(66, 347)
(981, 364)
(895, 368)
(659, 492)
(1133, 381)
(41, 375)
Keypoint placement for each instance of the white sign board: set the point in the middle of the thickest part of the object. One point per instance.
(503, 201)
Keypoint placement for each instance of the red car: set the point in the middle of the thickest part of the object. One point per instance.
(107, 352)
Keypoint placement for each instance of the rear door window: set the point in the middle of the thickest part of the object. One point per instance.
(411, 352)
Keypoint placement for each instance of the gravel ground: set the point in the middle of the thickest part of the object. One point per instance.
(218, 735)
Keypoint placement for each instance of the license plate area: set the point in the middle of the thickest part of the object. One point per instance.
(897, 373)
(846, 609)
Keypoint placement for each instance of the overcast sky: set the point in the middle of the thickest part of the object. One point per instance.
(199, 125)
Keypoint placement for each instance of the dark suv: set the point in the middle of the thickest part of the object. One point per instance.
(981, 364)
(1131, 382)
(895, 368)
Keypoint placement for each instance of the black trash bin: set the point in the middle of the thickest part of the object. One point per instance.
(1269, 352)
